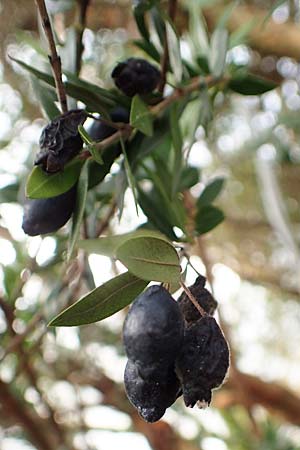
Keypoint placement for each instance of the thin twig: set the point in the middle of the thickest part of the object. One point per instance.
(165, 56)
(53, 57)
(193, 300)
(82, 6)
(105, 223)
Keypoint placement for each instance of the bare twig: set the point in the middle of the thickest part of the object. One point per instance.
(165, 56)
(82, 6)
(53, 57)
(105, 222)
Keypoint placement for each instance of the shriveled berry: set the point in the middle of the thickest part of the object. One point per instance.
(203, 297)
(60, 141)
(150, 398)
(203, 361)
(46, 215)
(153, 329)
(100, 130)
(136, 76)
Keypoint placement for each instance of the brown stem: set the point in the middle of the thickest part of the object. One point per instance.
(13, 407)
(82, 6)
(193, 300)
(172, 8)
(105, 223)
(53, 57)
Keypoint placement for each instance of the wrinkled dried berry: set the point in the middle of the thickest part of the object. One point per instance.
(153, 329)
(136, 76)
(60, 141)
(46, 215)
(151, 398)
(203, 297)
(203, 361)
(100, 130)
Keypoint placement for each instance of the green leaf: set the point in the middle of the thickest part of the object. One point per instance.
(155, 214)
(109, 245)
(95, 98)
(248, 84)
(208, 218)
(140, 116)
(210, 192)
(85, 135)
(190, 176)
(198, 29)
(141, 23)
(47, 98)
(82, 189)
(102, 302)
(174, 52)
(218, 51)
(148, 48)
(129, 175)
(43, 185)
(150, 259)
(177, 141)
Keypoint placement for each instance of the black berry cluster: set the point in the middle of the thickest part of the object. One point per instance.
(136, 76)
(169, 355)
(153, 334)
(60, 141)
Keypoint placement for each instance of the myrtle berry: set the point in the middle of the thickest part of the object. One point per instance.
(151, 398)
(60, 141)
(153, 329)
(203, 297)
(100, 130)
(46, 215)
(136, 76)
(203, 361)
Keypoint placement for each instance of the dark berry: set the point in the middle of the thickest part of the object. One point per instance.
(203, 297)
(151, 398)
(100, 130)
(60, 141)
(153, 329)
(46, 215)
(203, 361)
(136, 76)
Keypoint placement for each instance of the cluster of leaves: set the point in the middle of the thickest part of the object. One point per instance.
(152, 161)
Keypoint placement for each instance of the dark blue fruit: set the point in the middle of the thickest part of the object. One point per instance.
(136, 76)
(153, 329)
(100, 130)
(203, 361)
(60, 141)
(151, 398)
(46, 215)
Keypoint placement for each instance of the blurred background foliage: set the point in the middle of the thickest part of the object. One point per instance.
(62, 388)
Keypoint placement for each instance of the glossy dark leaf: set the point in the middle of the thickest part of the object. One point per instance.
(248, 84)
(210, 192)
(208, 218)
(140, 116)
(82, 189)
(102, 302)
(44, 185)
